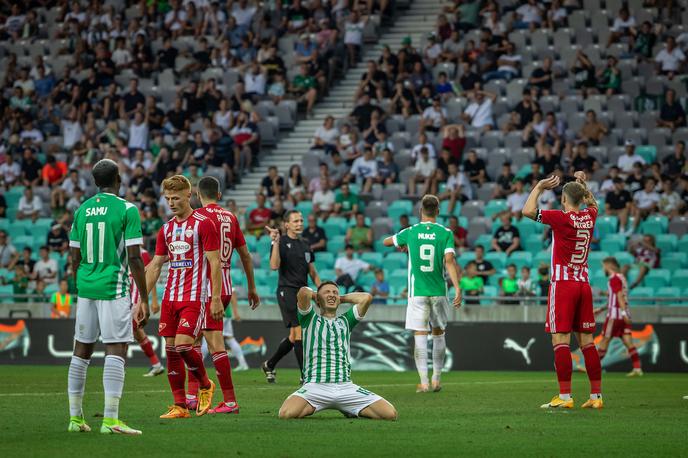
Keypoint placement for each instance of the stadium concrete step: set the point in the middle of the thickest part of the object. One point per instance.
(416, 22)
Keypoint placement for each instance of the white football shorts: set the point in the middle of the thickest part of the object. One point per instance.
(110, 319)
(426, 312)
(346, 397)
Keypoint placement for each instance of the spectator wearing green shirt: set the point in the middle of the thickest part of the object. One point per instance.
(346, 202)
(20, 283)
(304, 88)
(610, 77)
(509, 284)
(360, 236)
(471, 284)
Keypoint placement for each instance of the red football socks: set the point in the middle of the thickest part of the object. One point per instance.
(564, 367)
(593, 367)
(633, 353)
(224, 375)
(176, 374)
(601, 352)
(147, 348)
(194, 362)
(192, 390)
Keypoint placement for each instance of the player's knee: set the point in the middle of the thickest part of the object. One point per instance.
(286, 413)
(390, 413)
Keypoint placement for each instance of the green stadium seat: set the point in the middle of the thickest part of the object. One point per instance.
(305, 207)
(238, 277)
(523, 171)
(623, 257)
(484, 240)
(598, 280)
(251, 241)
(51, 289)
(373, 258)
(498, 260)
(651, 227)
(683, 244)
(265, 291)
(614, 242)
(325, 257)
(336, 244)
(679, 277)
(595, 258)
(647, 152)
(668, 291)
(632, 274)
(532, 243)
(327, 274)
(520, 258)
(641, 296)
(495, 206)
(366, 279)
(393, 261)
(398, 279)
(527, 227)
(674, 261)
(334, 228)
(489, 291)
(15, 231)
(23, 241)
(656, 278)
(666, 242)
(465, 258)
(543, 256)
(4, 224)
(607, 225)
(263, 245)
(444, 208)
(400, 207)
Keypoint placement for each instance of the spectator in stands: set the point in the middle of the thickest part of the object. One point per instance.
(528, 16)
(504, 182)
(644, 41)
(458, 187)
(479, 112)
(372, 83)
(471, 284)
(31, 169)
(30, 205)
(517, 198)
(8, 253)
(584, 75)
(508, 65)
(353, 35)
(404, 100)
(507, 238)
(296, 185)
(454, 139)
(363, 113)
(582, 160)
(323, 200)
(360, 236)
(434, 117)
(475, 168)
(304, 88)
(670, 60)
(556, 15)
(364, 170)
(647, 257)
(424, 171)
(387, 169)
(432, 50)
(484, 267)
(636, 179)
(57, 239)
(542, 78)
(508, 285)
(61, 302)
(380, 288)
(339, 169)
(523, 112)
(45, 269)
(469, 77)
(645, 202)
(325, 136)
(10, 172)
(315, 235)
(444, 88)
(277, 212)
(272, 184)
(258, 217)
(460, 234)
(246, 142)
(609, 77)
(347, 269)
(675, 164)
(671, 115)
(670, 202)
(527, 287)
(593, 130)
(628, 160)
(423, 143)
(3, 207)
(376, 131)
(624, 26)
(404, 222)
(20, 283)
(346, 202)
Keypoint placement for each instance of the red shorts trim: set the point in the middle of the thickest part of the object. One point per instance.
(181, 318)
(215, 325)
(615, 328)
(569, 308)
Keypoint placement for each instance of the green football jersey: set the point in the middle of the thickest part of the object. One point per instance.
(104, 226)
(326, 350)
(427, 244)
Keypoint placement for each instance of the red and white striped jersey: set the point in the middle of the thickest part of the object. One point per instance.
(230, 236)
(617, 283)
(134, 290)
(571, 235)
(185, 244)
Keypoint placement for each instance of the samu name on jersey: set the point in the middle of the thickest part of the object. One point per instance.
(326, 346)
(427, 244)
(104, 226)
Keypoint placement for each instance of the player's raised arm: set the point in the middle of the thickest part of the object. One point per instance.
(247, 262)
(304, 298)
(313, 272)
(360, 300)
(530, 207)
(275, 259)
(589, 199)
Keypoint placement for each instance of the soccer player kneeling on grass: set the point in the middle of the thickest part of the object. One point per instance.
(569, 306)
(326, 359)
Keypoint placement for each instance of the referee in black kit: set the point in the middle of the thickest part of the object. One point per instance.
(293, 256)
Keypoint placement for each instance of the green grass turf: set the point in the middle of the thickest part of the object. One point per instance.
(477, 413)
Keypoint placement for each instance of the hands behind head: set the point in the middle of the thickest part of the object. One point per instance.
(549, 183)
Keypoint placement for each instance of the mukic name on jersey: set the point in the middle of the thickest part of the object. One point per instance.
(422, 236)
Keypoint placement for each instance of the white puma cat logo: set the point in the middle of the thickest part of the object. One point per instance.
(512, 345)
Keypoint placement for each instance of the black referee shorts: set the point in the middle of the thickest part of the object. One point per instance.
(286, 299)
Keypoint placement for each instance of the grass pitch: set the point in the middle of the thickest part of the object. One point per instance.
(477, 413)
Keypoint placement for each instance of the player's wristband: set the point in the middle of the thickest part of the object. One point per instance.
(624, 313)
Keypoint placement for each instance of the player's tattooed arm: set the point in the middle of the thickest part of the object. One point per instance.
(361, 301)
(304, 298)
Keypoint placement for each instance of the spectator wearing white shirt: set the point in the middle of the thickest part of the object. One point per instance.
(353, 35)
(347, 268)
(8, 253)
(645, 202)
(323, 200)
(508, 65)
(121, 56)
(423, 143)
(517, 199)
(326, 136)
(624, 26)
(175, 18)
(255, 80)
(14, 23)
(424, 171)
(138, 132)
(223, 116)
(10, 171)
(72, 182)
(434, 117)
(528, 16)
(479, 112)
(72, 133)
(628, 160)
(458, 188)
(364, 170)
(243, 13)
(30, 205)
(670, 59)
(45, 269)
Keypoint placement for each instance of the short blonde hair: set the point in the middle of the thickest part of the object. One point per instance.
(575, 192)
(176, 183)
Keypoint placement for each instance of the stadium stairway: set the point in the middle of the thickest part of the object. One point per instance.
(416, 22)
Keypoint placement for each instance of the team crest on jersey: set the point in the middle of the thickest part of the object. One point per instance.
(161, 326)
(308, 258)
(189, 233)
(183, 323)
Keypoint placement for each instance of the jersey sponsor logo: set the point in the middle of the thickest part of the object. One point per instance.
(179, 247)
(182, 264)
(96, 211)
(422, 236)
(178, 232)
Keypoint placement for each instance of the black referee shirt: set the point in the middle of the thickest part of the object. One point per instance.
(295, 257)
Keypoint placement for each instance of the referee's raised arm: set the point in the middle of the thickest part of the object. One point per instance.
(275, 247)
